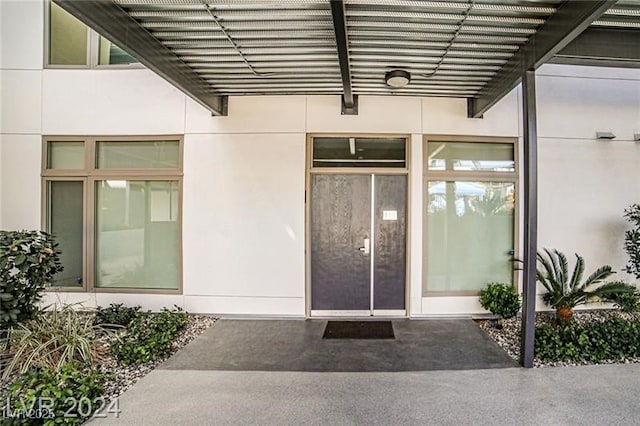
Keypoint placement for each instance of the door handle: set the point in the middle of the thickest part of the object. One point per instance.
(366, 249)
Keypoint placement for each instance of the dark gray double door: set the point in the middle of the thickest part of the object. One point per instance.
(358, 244)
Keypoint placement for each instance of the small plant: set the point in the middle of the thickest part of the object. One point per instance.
(626, 302)
(565, 292)
(632, 240)
(54, 338)
(28, 262)
(149, 336)
(117, 314)
(501, 300)
(69, 396)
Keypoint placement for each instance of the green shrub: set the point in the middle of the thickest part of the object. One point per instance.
(596, 341)
(67, 396)
(500, 299)
(28, 262)
(117, 314)
(632, 240)
(626, 302)
(54, 338)
(149, 336)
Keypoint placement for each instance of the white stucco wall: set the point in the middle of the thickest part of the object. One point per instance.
(244, 174)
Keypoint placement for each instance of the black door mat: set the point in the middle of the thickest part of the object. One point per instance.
(358, 330)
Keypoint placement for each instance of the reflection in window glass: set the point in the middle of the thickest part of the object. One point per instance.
(65, 155)
(110, 54)
(470, 156)
(137, 234)
(359, 152)
(138, 155)
(64, 221)
(469, 235)
(67, 38)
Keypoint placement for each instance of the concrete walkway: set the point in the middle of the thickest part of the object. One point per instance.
(592, 395)
(295, 345)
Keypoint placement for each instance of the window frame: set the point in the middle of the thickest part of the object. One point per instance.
(93, 49)
(467, 176)
(89, 176)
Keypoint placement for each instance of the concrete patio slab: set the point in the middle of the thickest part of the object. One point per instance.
(297, 345)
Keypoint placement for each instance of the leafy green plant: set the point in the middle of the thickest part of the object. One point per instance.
(149, 336)
(500, 299)
(565, 292)
(626, 302)
(54, 338)
(69, 396)
(632, 240)
(595, 341)
(117, 314)
(28, 262)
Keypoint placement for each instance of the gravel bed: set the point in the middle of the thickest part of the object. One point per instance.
(125, 376)
(508, 338)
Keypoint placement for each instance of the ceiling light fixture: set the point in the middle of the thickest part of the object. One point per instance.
(397, 78)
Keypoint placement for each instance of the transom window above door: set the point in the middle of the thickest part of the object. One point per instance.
(363, 152)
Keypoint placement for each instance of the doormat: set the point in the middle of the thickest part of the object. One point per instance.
(358, 330)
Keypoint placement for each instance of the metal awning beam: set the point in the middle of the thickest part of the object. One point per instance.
(349, 104)
(571, 18)
(115, 24)
(606, 47)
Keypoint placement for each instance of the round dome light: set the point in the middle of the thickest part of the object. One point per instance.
(397, 78)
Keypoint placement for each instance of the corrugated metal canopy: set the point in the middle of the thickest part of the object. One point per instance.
(451, 48)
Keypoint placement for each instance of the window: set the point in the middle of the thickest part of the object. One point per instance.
(469, 239)
(113, 205)
(359, 152)
(72, 44)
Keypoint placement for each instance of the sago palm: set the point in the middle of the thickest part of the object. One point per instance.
(565, 292)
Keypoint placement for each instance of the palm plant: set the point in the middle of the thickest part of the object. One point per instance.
(565, 292)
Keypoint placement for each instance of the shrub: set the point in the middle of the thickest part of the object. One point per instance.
(67, 396)
(149, 336)
(55, 338)
(500, 299)
(28, 262)
(626, 302)
(117, 314)
(565, 292)
(596, 341)
(632, 240)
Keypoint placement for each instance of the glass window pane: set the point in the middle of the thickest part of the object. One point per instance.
(469, 235)
(67, 38)
(467, 156)
(64, 221)
(137, 244)
(359, 152)
(110, 54)
(65, 155)
(138, 155)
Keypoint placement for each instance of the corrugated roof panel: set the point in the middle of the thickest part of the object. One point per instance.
(451, 48)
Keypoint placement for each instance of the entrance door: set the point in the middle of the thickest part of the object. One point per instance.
(358, 244)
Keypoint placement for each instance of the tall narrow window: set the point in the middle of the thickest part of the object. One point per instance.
(65, 220)
(68, 38)
(470, 190)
